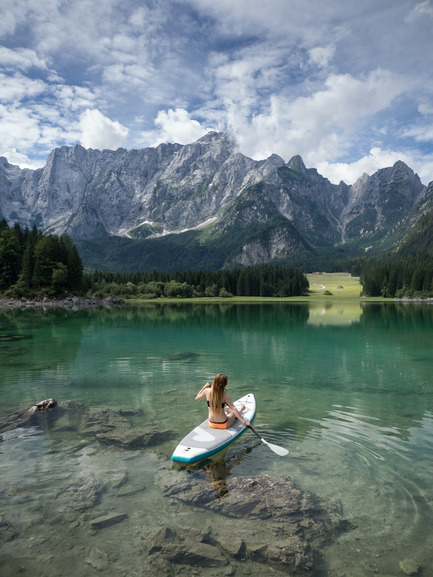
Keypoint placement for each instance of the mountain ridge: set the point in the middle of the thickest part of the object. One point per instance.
(270, 209)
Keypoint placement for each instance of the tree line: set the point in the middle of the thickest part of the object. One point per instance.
(262, 280)
(399, 277)
(32, 263)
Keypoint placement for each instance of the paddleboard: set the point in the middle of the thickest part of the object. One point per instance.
(202, 442)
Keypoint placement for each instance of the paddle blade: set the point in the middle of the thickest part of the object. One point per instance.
(278, 450)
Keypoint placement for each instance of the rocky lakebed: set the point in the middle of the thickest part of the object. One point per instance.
(173, 520)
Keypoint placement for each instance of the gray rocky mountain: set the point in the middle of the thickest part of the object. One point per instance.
(269, 209)
(89, 193)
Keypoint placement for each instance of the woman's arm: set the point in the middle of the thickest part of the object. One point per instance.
(201, 394)
(229, 402)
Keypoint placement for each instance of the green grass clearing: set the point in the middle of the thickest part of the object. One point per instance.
(340, 284)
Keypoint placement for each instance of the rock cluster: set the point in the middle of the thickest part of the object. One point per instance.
(74, 303)
(90, 424)
(262, 523)
(230, 525)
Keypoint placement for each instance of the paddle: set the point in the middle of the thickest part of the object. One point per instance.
(279, 450)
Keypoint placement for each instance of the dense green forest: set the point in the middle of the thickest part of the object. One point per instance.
(399, 277)
(32, 263)
(263, 280)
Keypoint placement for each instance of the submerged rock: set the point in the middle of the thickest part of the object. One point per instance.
(273, 523)
(410, 567)
(83, 492)
(68, 416)
(185, 356)
(117, 480)
(105, 425)
(7, 532)
(136, 438)
(188, 546)
(98, 559)
(108, 520)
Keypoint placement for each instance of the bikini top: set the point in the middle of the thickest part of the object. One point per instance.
(222, 406)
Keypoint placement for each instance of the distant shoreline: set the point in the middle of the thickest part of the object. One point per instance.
(66, 303)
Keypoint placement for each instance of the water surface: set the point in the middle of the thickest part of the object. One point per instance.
(349, 391)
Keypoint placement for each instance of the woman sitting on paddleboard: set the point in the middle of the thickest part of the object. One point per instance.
(217, 398)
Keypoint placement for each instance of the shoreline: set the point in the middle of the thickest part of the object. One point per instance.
(76, 303)
(73, 303)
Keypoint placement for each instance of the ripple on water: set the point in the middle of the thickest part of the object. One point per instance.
(365, 433)
(381, 474)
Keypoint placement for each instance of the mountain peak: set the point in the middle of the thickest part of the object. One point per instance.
(213, 136)
(402, 165)
(296, 163)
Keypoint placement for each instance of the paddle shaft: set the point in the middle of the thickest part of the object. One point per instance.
(255, 432)
(275, 448)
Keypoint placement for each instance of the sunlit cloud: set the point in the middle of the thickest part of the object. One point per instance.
(98, 131)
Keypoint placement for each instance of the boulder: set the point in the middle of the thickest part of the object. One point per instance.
(39, 415)
(47, 405)
(264, 522)
(83, 492)
(410, 567)
(108, 520)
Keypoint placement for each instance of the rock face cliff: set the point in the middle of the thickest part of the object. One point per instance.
(270, 208)
(89, 193)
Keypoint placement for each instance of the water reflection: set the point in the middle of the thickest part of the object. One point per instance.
(266, 316)
(332, 314)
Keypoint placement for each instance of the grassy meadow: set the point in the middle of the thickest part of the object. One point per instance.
(340, 284)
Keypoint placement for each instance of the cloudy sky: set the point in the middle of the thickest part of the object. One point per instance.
(347, 84)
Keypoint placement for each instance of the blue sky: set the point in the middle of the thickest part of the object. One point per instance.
(347, 84)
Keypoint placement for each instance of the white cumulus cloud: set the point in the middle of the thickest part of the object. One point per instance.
(98, 131)
(178, 126)
(321, 125)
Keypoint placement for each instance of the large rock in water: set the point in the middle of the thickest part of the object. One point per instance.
(261, 521)
(105, 425)
(39, 415)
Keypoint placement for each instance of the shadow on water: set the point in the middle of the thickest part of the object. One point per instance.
(215, 470)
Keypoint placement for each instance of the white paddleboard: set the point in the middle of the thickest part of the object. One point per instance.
(202, 442)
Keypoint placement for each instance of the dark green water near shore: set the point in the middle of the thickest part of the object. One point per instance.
(348, 392)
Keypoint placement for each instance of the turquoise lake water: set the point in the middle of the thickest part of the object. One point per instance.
(347, 390)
